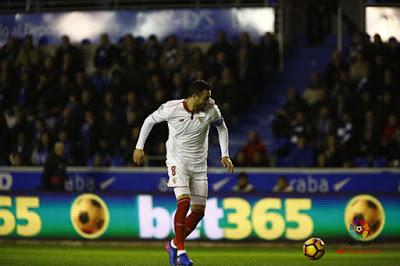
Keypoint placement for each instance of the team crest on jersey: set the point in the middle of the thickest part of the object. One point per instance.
(174, 180)
(201, 119)
(181, 120)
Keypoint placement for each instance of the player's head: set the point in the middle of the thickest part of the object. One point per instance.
(200, 92)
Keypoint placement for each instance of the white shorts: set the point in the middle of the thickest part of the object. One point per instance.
(188, 182)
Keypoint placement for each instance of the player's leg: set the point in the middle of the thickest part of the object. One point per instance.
(199, 192)
(179, 181)
(198, 186)
(195, 216)
(183, 204)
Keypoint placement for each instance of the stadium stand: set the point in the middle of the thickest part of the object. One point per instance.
(94, 97)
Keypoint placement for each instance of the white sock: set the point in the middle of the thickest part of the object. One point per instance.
(180, 252)
(172, 244)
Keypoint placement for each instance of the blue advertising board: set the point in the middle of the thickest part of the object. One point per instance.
(193, 25)
(151, 180)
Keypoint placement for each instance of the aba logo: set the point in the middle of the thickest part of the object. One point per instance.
(359, 228)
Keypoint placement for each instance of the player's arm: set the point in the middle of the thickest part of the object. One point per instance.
(223, 138)
(156, 117)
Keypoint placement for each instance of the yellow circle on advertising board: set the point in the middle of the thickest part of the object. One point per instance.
(364, 217)
(89, 216)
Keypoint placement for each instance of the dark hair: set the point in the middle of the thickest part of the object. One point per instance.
(198, 86)
(243, 175)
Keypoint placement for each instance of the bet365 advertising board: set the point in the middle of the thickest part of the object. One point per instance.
(133, 216)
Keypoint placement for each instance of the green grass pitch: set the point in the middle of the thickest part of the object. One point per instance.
(143, 254)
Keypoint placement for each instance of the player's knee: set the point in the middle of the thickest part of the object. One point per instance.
(199, 210)
(184, 203)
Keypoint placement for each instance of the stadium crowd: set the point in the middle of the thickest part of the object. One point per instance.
(52, 97)
(349, 114)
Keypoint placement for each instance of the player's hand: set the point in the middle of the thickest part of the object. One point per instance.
(226, 162)
(137, 157)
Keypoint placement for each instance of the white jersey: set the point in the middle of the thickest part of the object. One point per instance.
(188, 133)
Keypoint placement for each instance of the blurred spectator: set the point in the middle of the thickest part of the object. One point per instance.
(67, 57)
(390, 128)
(16, 160)
(359, 69)
(294, 103)
(321, 161)
(282, 185)
(315, 91)
(389, 84)
(246, 44)
(54, 172)
(255, 152)
(247, 73)
(358, 44)
(96, 161)
(393, 150)
(370, 127)
(393, 52)
(332, 154)
(221, 44)
(318, 16)
(281, 125)
(130, 47)
(345, 129)
(117, 85)
(299, 127)
(335, 68)
(10, 50)
(377, 46)
(50, 70)
(8, 93)
(110, 128)
(178, 87)
(41, 149)
(322, 126)
(89, 133)
(22, 148)
(228, 90)
(69, 154)
(106, 53)
(242, 184)
(268, 54)
(4, 140)
(29, 55)
(134, 72)
(197, 60)
(153, 49)
(25, 91)
(240, 160)
(173, 56)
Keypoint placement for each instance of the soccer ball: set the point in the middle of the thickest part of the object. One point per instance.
(314, 248)
(89, 215)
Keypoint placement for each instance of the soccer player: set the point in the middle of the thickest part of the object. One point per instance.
(189, 122)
